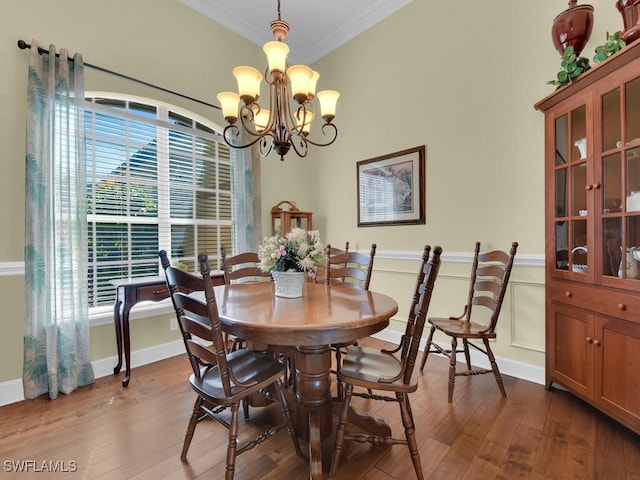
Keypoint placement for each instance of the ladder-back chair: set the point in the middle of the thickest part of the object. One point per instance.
(391, 375)
(320, 275)
(490, 274)
(222, 379)
(240, 268)
(351, 267)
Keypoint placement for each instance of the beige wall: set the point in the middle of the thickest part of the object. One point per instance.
(459, 77)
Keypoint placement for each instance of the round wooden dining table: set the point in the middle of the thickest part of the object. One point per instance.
(304, 328)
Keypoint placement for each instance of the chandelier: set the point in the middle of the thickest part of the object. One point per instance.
(287, 122)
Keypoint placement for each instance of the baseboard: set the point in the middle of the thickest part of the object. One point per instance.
(507, 366)
(11, 391)
(144, 356)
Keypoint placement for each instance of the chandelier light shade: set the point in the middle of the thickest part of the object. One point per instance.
(248, 79)
(286, 124)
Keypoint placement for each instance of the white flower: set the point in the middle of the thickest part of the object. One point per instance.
(300, 250)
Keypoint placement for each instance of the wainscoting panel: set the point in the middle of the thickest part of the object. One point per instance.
(527, 316)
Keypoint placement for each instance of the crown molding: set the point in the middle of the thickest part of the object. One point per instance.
(317, 28)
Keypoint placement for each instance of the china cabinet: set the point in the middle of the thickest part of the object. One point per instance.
(592, 224)
(286, 215)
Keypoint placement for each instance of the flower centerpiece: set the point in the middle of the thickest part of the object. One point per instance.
(299, 251)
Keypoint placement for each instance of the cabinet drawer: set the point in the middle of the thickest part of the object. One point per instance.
(152, 292)
(598, 300)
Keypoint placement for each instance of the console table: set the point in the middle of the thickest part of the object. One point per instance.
(129, 292)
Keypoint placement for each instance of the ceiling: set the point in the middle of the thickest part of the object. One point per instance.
(317, 26)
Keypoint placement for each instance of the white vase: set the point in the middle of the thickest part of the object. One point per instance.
(288, 284)
(582, 147)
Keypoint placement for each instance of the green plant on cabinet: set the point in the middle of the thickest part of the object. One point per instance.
(571, 67)
(613, 44)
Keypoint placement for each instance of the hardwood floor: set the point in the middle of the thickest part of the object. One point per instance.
(105, 431)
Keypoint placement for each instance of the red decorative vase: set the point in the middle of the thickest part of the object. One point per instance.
(572, 27)
(630, 11)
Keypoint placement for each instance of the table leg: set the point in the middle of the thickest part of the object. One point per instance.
(126, 342)
(315, 445)
(117, 320)
(313, 401)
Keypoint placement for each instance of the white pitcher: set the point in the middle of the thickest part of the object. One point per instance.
(631, 264)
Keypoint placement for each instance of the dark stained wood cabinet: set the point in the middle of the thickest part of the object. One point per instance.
(592, 227)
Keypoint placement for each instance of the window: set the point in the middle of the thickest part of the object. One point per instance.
(158, 177)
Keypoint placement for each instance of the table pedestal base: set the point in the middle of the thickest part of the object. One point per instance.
(313, 401)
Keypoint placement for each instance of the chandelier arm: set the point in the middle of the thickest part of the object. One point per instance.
(281, 102)
(302, 114)
(290, 117)
(304, 147)
(271, 81)
(264, 147)
(283, 115)
(335, 135)
(247, 119)
(227, 136)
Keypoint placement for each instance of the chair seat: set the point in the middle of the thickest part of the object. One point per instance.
(461, 328)
(364, 367)
(247, 366)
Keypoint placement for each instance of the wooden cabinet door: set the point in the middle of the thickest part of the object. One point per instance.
(570, 196)
(572, 356)
(617, 374)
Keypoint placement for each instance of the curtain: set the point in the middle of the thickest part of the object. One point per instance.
(56, 330)
(245, 192)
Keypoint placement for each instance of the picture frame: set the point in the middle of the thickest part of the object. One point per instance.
(391, 189)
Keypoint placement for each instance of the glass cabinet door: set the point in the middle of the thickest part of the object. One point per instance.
(571, 146)
(621, 181)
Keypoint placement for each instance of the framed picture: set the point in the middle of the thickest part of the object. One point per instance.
(391, 189)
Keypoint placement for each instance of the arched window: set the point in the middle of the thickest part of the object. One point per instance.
(158, 177)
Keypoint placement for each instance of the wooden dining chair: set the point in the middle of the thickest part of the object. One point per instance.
(352, 267)
(181, 280)
(190, 283)
(349, 266)
(222, 379)
(320, 275)
(241, 268)
(490, 274)
(390, 372)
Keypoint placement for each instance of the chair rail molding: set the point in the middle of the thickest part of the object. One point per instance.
(524, 260)
(11, 269)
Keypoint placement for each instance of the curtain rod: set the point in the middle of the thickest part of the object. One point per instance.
(24, 45)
